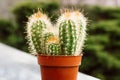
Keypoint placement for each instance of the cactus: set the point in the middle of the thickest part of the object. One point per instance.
(45, 38)
(81, 23)
(67, 35)
(65, 39)
(53, 47)
(72, 32)
(37, 26)
(36, 32)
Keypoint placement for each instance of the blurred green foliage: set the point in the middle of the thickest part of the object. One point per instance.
(102, 47)
(23, 11)
(101, 51)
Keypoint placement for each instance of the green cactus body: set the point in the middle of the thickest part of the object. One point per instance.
(54, 49)
(67, 35)
(37, 32)
(37, 27)
(52, 45)
(65, 39)
(45, 38)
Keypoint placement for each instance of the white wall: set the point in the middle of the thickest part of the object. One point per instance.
(109, 3)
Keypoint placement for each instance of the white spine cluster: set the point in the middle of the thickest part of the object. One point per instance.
(79, 19)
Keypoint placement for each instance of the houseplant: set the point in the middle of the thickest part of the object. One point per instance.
(58, 47)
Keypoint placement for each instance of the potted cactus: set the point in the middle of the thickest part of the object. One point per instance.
(58, 47)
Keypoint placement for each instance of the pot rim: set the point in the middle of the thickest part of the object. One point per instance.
(46, 60)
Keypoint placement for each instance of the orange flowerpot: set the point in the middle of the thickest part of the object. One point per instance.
(59, 67)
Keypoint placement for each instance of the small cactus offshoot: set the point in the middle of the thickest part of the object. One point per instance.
(66, 38)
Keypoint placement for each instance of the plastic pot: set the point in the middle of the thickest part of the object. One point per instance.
(59, 67)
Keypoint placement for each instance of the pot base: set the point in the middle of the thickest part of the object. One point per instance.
(59, 73)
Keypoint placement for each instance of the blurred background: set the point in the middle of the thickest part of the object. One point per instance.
(102, 48)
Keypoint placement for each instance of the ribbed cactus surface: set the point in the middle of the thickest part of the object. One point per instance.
(52, 45)
(46, 36)
(37, 35)
(54, 49)
(37, 28)
(67, 35)
(72, 32)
